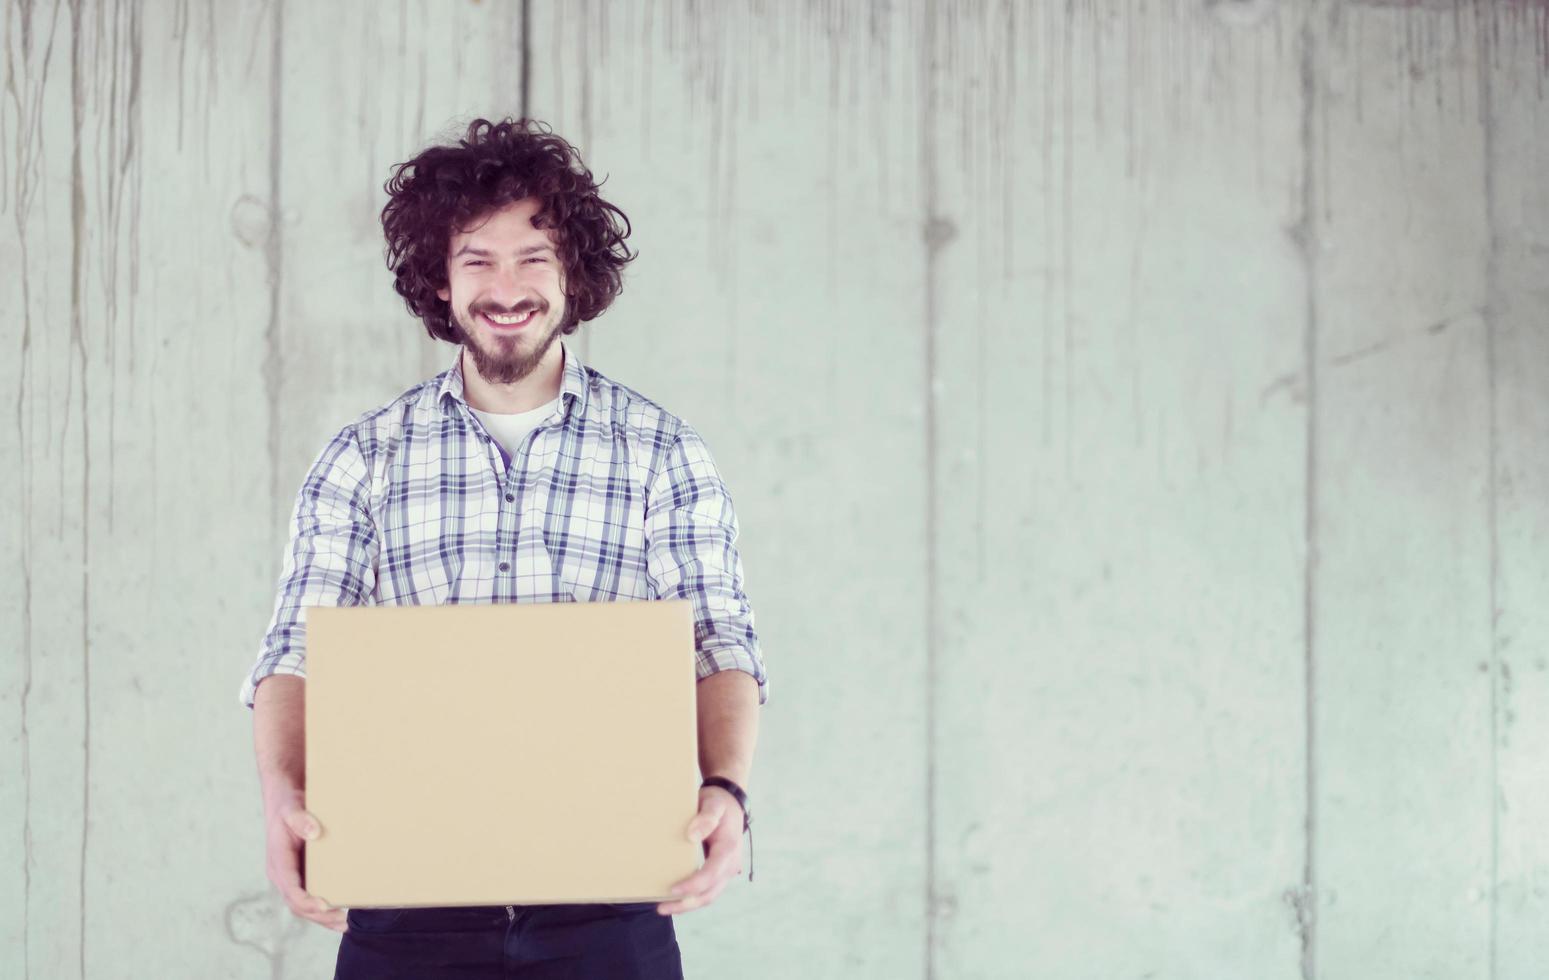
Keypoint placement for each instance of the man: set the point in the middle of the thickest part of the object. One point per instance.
(517, 475)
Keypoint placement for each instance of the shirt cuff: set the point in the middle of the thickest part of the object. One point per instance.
(250, 685)
(717, 659)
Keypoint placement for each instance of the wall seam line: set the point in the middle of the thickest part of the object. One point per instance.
(526, 58)
(931, 242)
(1307, 906)
(77, 340)
(1485, 54)
(274, 257)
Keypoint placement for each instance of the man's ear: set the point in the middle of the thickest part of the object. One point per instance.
(445, 294)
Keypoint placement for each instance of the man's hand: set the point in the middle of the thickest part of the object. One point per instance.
(287, 824)
(719, 824)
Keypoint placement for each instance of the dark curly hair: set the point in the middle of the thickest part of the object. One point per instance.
(493, 165)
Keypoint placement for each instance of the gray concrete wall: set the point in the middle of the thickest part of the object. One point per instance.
(1136, 415)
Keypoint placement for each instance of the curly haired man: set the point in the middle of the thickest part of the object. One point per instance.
(501, 245)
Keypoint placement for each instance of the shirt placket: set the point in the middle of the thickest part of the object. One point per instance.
(522, 561)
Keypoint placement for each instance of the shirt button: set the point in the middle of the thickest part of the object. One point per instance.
(510, 498)
(505, 566)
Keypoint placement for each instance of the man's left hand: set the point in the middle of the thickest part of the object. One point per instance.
(719, 825)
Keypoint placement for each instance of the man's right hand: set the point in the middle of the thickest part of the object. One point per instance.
(288, 824)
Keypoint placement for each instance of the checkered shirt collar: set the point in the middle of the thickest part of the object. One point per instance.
(572, 386)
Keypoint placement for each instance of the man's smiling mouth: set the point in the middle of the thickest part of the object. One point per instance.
(503, 322)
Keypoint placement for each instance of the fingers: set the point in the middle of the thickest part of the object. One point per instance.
(723, 863)
(719, 863)
(307, 906)
(711, 813)
(285, 863)
(715, 892)
(333, 918)
(287, 830)
(694, 901)
(310, 907)
(302, 824)
(326, 915)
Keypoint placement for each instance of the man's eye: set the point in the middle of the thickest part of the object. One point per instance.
(537, 258)
(474, 262)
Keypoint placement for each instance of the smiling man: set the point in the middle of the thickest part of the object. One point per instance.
(501, 245)
(506, 343)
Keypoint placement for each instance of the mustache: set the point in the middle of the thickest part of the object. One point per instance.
(516, 310)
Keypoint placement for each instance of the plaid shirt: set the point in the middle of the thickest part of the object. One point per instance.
(611, 497)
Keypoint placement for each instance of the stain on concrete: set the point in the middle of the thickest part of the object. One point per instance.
(1299, 900)
(250, 220)
(1240, 13)
(260, 921)
(1382, 346)
(1289, 382)
(938, 232)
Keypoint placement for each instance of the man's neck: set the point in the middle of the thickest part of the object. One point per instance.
(540, 387)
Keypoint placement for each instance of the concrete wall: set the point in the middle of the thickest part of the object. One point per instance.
(1136, 414)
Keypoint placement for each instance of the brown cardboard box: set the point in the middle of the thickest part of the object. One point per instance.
(500, 754)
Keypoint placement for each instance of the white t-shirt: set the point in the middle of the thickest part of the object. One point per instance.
(510, 430)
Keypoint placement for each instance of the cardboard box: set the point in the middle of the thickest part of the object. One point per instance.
(500, 754)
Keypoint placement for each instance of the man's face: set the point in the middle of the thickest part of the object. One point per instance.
(505, 268)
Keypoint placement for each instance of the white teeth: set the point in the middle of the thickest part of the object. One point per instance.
(508, 320)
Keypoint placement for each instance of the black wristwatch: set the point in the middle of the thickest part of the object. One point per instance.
(742, 801)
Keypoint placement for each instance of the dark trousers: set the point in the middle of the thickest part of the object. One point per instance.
(528, 942)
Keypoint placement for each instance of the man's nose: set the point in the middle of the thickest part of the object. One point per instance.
(507, 290)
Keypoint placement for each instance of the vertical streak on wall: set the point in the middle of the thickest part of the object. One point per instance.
(1046, 167)
(1306, 905)
(932, 240)
(77, 341)
(19, 203)
(28, 147)
(1514, 67)
(134, 145)
(1067, 222)
(526, 58)
(583, 60)
(1403, 696)
(1485, 26)
(274, 254)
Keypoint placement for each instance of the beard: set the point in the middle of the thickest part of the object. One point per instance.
(512, 358)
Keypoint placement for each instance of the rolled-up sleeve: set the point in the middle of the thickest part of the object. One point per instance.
(331, 560)
(690, 547)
